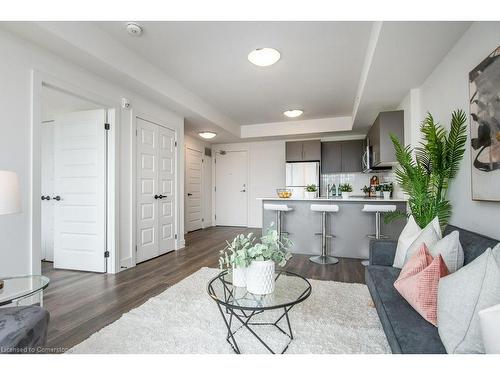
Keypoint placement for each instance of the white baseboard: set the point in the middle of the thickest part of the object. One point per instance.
(126, 263)
(180, 244)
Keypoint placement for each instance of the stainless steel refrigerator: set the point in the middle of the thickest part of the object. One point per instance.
(299, 175)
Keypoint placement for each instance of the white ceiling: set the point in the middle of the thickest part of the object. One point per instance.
(318, 72)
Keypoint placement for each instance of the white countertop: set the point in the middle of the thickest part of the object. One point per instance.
(337, 199)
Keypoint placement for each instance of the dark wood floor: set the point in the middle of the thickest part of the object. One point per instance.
(82, 303)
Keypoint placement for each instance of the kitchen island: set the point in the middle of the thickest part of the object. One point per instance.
(350, 225)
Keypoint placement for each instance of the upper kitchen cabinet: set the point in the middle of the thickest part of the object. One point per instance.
(352, 155)
(382, 149)
(343, 156)
(303, 151)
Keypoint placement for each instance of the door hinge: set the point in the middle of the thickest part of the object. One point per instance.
(215, 188)
(106, 126)
(106, 254)
(136, 248)
(175, 143)
(176, 236)
(136, 132)
(215, 217)
(202, 219)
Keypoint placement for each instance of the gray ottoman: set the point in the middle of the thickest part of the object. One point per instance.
(23, 329)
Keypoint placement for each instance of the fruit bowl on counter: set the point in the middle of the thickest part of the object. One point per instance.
(284, 193)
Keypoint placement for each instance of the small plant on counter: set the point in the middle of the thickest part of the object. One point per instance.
(345, 188)
(366, 189)
(387, 188)
(311, 188)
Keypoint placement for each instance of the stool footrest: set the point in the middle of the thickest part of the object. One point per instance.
(327, 236)
(374, 236)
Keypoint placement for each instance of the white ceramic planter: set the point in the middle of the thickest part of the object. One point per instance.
(260, 277)
(345, 194)
(311, 194)
(387, 194)
(240, 277)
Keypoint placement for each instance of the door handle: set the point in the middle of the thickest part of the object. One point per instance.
(46, 197)
(57, 198)
(160, 196)
(189, 194)
(242, 191)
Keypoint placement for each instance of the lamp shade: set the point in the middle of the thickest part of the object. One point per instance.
(10, 199)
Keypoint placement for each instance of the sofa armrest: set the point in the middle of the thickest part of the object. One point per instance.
(382, 252)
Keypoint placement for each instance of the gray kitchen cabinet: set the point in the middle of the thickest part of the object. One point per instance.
(341, 156)
(331, 157)
(311, 150)
(352, 155)
(303, 151)
(382, 149)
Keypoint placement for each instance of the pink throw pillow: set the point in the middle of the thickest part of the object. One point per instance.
(418, 282)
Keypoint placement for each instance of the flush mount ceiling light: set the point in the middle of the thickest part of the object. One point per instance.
(264, 56)
(207, 135)
(293, 113)
(134, 29)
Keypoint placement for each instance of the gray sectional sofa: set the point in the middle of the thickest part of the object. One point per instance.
(406, 331)
(23, 329)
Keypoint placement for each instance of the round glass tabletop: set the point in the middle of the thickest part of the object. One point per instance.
(21, 286)
(289, 290)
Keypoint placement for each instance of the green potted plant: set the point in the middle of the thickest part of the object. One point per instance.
(234, 257)
(426, 172)
(345, 189)
(311, 191)
(264, 255)
(367, 190)
(387, 190)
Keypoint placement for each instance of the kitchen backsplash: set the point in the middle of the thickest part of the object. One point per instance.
(358, 180)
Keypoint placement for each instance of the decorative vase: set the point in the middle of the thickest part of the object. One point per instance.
(310, 194)
(387, 194)
(345, 195)
(240, 277)
(260, 277)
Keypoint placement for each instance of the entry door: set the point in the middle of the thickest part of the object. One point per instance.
(155, 190)
(47, 171)
(231, 194)
(193, 190)
(80, 191)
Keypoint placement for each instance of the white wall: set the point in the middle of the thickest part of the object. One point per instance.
(207, 185)
(447, 89)
(18, 59)
(266, 173)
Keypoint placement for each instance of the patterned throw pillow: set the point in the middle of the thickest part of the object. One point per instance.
(418, 282)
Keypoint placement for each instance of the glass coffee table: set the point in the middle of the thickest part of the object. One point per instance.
(20, 287)
(238, 307)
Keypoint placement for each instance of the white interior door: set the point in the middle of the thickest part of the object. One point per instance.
(193, 210)
(231, 194)
(80, 184)
(47, 173)
(166, 185)
(155, 190)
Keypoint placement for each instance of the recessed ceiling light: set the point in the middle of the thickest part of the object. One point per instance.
(134, 29)
(293, 112)
(264, 56)
(207, 135)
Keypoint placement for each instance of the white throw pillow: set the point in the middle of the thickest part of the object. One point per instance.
(407, 236)
(490, 329)
(412, 237)
(451, 251)
(461, 295)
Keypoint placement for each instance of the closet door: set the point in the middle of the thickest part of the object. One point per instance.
(147, 177)
(166, 189)
(155, 190)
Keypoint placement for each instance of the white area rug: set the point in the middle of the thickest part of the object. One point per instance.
(336, 318)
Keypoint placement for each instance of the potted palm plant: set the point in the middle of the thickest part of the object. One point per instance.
(234, 257)
(264, 256)
(345, 189)
(426, 172)
(311, 191)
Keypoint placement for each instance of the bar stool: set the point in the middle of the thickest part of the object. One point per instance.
(377, 209)
(279, 209)
(324, 258)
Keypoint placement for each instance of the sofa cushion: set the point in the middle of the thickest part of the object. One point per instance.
(462, 295)
(23, 328)
(406, 330)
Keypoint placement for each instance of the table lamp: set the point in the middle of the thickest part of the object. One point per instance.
(10, 199)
